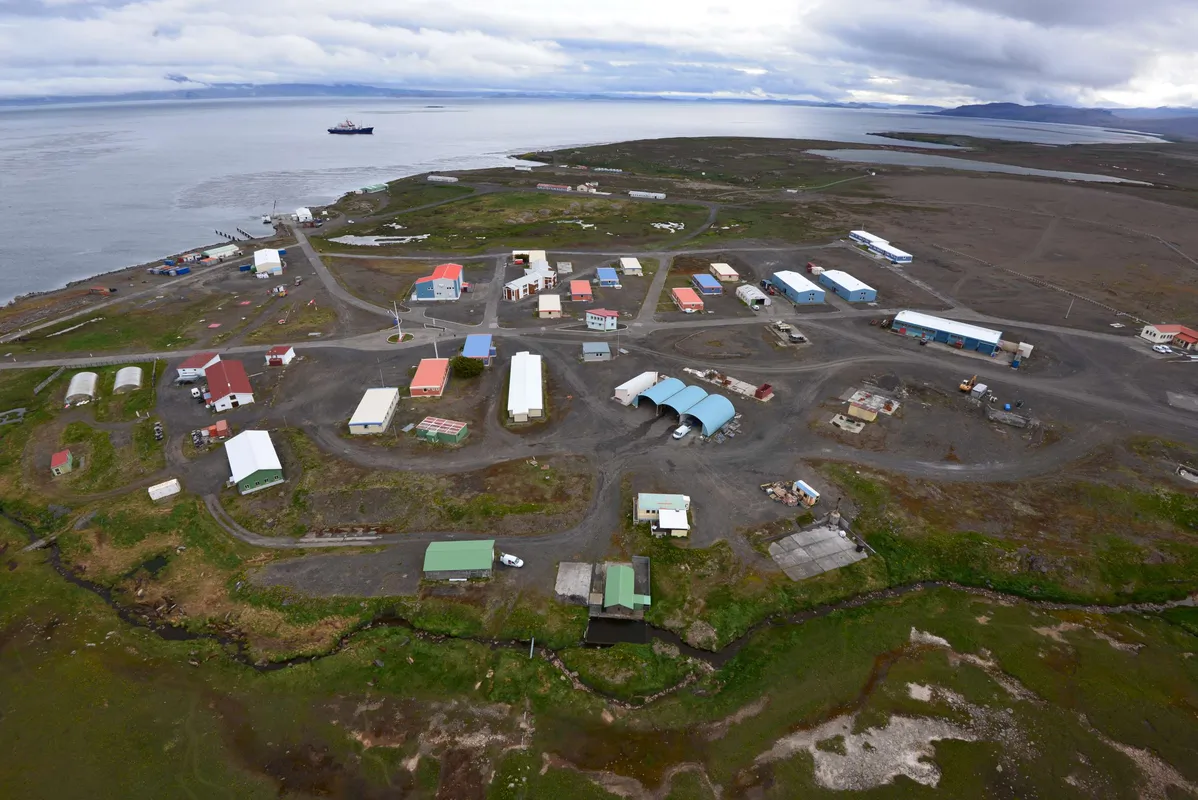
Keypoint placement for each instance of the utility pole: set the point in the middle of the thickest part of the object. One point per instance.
(1069, 309)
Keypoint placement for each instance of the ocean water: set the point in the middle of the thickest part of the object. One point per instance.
(91, 188)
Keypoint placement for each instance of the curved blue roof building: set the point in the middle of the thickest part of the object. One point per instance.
(712, 413)
(660, 392)
(684, 400)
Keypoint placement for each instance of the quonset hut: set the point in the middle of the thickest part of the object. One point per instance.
(127, 379)
(82, 387)
(691, 403)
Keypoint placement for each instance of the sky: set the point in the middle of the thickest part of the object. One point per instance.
(941, 52)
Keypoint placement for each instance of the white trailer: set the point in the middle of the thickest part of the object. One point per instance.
(164, 489)
(626, 392)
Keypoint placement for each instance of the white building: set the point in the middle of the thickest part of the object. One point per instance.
(891, 253)
(648, 195)
(127, 379)
(866, 238)
(303, 215)
(267, 262)
(280, 355)
(195, 366)
(374, 412)
(164, 489)
(549, 306)
(724, 272)
(602, 319)
(626, 392)
(525, 392)
(631, 266)
(82, 387)
(536, 279)
(253, 463)
(751, 296)
(441, 179)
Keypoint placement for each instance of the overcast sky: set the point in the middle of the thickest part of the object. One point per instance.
(1087, 52)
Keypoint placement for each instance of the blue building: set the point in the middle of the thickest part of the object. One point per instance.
(947, 331)
(478, 345)
(608, 277)
(797, 289)
(444, 284)
(707, 284)
(848, 287)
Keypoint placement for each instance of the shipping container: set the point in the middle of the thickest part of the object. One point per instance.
(182, 271)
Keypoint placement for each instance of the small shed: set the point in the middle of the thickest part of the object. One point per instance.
(82, 387)
(619, 590)
(724, 272)
(649, 505)
(432, 374)
(686, 299)
(706, 284)
(580, 291)
(596, 351)
(608, 278)
(459, 560)
(673, 522)
(127, 379)
(478, 345)
(280, 356)
(61, 463)
(549, 306)
(442, 431)
(631, 266)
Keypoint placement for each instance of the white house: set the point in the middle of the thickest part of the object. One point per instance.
(525, 395)
(228, 385)
(631, 266)
(195, 366)
(303, 215)
(537, 279)
(602, 319)
(549, 306)
(374, 412)
(280, 355)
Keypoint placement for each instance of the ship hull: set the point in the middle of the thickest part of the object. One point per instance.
(350, 132)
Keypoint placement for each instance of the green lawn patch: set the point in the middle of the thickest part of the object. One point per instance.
(628, 671)
(111, 407)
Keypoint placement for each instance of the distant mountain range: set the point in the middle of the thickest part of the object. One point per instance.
(1181, 123)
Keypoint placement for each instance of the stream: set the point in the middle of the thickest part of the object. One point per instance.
(236, 647)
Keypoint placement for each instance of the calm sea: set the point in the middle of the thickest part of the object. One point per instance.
(88, 189)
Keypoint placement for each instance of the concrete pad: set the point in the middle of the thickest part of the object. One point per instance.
(1184, 401)
(573, 582)
(814, 550)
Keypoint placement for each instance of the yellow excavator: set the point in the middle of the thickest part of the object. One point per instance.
(968, 384)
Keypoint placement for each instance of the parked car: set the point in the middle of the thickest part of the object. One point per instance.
(1162, 348)
(510, 560)
(681, 430)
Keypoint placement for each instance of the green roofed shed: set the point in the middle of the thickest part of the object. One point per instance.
(459, 560)
(620, 589)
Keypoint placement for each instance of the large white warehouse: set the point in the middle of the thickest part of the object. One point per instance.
(525, 395)
(374, 412)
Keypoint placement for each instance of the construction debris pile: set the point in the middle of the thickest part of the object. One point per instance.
(764, 393)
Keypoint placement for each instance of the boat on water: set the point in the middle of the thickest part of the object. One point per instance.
(266, 220)
(350, 127)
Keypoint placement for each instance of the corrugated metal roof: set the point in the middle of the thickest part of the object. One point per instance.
(450, 271)
(266, 258)
(602, 312)
(250, 451)
(684, 400)
(619, 589)
(651, 501)
(888, 249)
(580, 287)
(713, 412)
(198, 361)
(796, 281)
(868, 236)
(524, 392)
(373, 408)
(549, 302)
(986, 335)
(687, 295)
(226, 378)
(672, 519)
(845, 281)
(598, 348)
(724, 269)
(662, 391)
(478, 345)
(60, 458)
(706, 280)
(607, 274)
(430, 372)
(474, 554)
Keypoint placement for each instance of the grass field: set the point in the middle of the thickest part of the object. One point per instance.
(512, 219)
(116, 329)
(777, 221)
(105, 466)
(298, 320)
(110, 407)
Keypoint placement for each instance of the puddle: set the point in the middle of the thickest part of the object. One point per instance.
(904, 159)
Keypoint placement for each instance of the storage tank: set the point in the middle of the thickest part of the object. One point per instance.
(127, 379)
(82, 387)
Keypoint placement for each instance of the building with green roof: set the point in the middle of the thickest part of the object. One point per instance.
(620, 590)
(460, 560)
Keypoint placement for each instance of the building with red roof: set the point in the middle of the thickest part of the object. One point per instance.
(431, 376)
(580, 291)
(1178, 336)
(228, 386)
(444, 284)
(62, 462)
(194, 367)
(602, 319)
(687, 299)
(280, 355)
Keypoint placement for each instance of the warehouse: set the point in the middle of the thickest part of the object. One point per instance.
(196, 366)
(228, 386)
(442, 431)
(686, 299)
(303, 215)
(478, 345)
(866, 238)
(267, 262)
(602, 319)
(648, 505)
(580, 291)
(724, 272)
(648, 195)
(459, 561)
(848, 287)
(549, 306)
(127, 380)
(955, 334)
(82, 387)
(596, 351)
(608, 278)
(444, 284)
(706, 284)
(626, 393)
(631, 266)
(374, 411)
(224, 251)
(712, 413)
(797, 289)
(891, 253)
(253, 463)
(280, 355)
(431, 376)
(751, 296)
(525, 393)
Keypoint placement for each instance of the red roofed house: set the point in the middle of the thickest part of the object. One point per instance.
(228, 386)
(195, 367)
(1178, 336)
(444, 284)
(280, 356)
(62, 462)
(431, 376)
(580, 291)
(602, 319)
(687, 299)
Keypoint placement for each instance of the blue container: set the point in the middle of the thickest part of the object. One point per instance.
(170, 262)
(1006, 407)
(182, 270)
(245, 267)
(282, 252)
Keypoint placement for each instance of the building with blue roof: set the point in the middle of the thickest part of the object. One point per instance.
(712, 413)
(478, 345)
(684, 400)
(707, 284)
(608, 278)
(660, 392)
